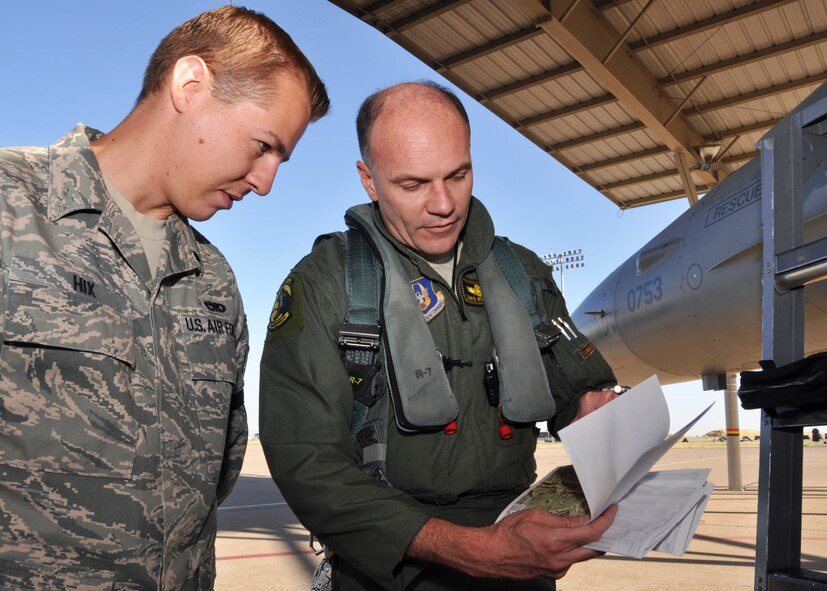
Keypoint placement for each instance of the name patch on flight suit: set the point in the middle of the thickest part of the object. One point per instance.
(430, 301)
(286, 316)
(471, 291)
(587, 350)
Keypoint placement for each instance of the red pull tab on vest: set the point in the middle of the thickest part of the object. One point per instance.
(451, 428)
(505, 430)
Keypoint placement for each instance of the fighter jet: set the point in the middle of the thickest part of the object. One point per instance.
(688, 304)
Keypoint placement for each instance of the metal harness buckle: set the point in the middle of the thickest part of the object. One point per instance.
(359, 336)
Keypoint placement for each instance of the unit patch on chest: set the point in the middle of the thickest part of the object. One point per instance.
(430, 300)
(471, 291)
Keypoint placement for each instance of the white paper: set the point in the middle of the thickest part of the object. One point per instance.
(653, 510)
(612, 450)
(613, 447)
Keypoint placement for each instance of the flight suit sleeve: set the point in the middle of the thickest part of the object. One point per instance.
(237, 431)
(573, 363)
(306, 403)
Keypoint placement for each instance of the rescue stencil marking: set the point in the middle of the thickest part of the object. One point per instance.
(749, 195)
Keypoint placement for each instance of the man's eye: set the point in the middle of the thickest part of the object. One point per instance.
(458, 178)
(411, 187)
(264, 147)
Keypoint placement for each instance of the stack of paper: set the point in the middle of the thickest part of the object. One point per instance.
(612, 451)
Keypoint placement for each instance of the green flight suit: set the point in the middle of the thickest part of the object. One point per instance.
(467, 478)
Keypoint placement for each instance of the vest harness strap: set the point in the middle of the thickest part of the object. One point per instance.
(382, 307)
(525, 395)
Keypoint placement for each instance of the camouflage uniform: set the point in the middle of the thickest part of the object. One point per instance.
(121, 401)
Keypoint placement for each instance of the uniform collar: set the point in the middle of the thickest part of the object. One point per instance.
(76, 184)
(477, 236)
(75, 180)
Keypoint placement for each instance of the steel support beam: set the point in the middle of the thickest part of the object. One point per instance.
(609, 162)
(661, 197)
(584, 34)
(753, 127)
(418, 18)
(719, 20)
(637, 180)
(746, 97)
(489, 48)
(599, 101)
(733, 432)
(530, 82)
(743, 60)
(595, 137)
(686, 177)
(778, 539)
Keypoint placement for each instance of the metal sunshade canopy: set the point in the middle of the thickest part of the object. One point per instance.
(645, 100)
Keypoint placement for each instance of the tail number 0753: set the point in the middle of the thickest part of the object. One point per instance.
(644, 294)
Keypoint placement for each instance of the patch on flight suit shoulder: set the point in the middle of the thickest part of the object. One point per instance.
(587, 350)
(287, 316)
(471, 291)
(430, 301)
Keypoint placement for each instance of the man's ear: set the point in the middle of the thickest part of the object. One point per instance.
(190, 76)
(367, 180)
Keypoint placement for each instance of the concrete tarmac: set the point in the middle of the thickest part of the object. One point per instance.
(262, 546)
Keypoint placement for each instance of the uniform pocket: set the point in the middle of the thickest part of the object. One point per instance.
(65, 397)
(209, 350)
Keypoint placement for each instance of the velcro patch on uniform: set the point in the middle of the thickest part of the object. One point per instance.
(587, 350)
(430, 301)
(194, 324)
(287, 315)
(471, 291)
(361, 378)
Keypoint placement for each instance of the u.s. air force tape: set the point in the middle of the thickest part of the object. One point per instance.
(209, 325)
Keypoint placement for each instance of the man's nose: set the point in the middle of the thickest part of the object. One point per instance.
(262, 175)
(440, 201)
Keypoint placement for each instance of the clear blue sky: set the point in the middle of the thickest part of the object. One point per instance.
(67, 62)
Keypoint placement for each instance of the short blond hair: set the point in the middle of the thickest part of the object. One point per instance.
(244, 50)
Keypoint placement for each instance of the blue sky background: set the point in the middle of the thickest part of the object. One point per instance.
(67, 62)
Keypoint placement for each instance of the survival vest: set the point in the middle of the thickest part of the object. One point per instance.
(382, 308)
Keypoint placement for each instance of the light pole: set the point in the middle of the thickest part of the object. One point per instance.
(567, 259)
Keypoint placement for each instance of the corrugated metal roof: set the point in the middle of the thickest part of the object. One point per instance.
(622, 92)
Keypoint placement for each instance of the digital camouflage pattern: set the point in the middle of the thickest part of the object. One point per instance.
(117, 438)
(559, 493)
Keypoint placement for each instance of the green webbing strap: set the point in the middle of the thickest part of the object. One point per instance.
(525, 395)
(516, 277)
(362, 277)
(363, 273)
